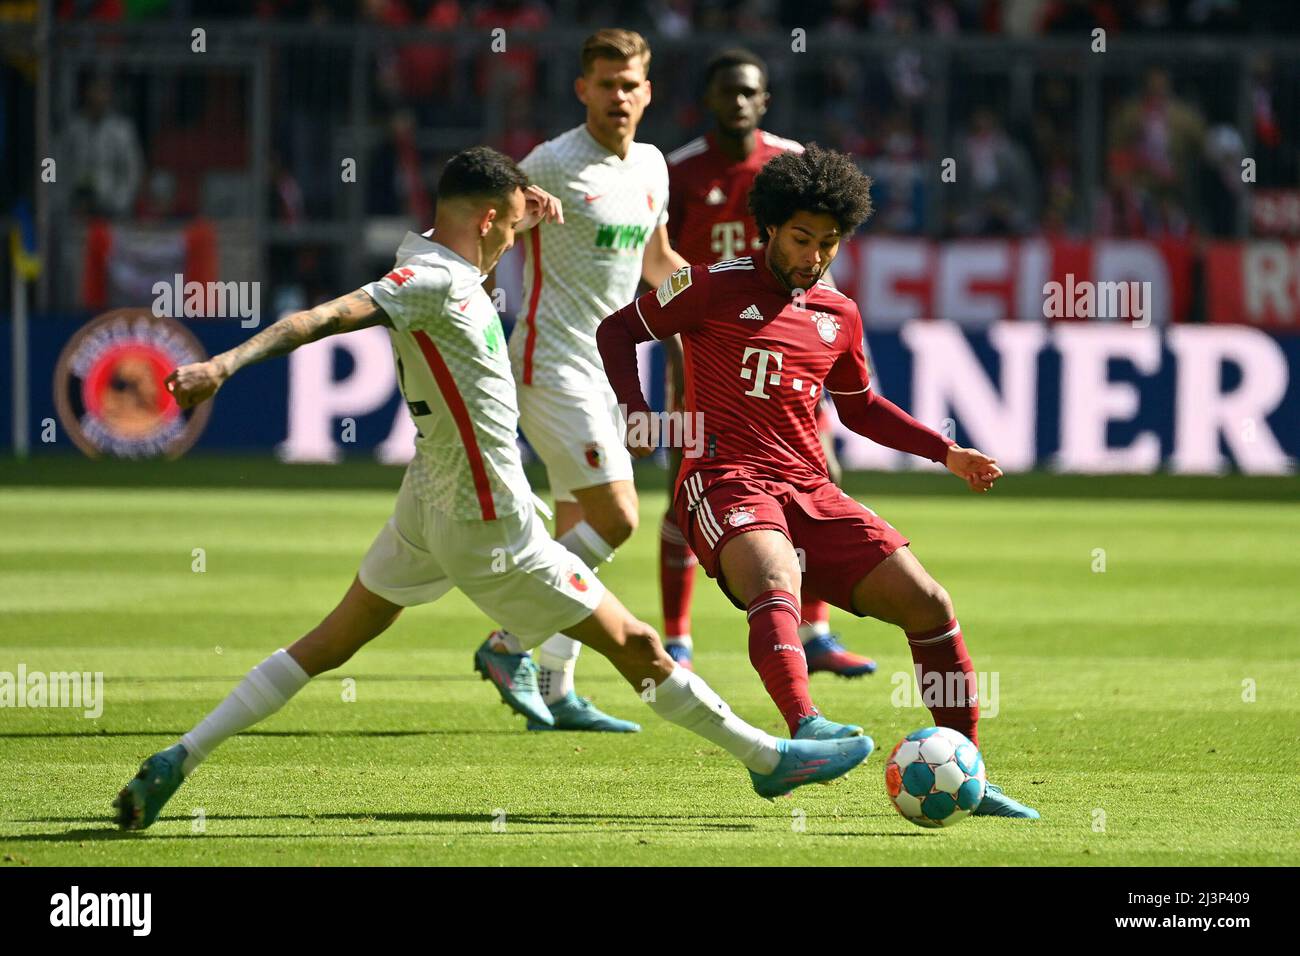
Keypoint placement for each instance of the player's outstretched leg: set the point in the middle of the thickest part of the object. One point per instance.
(555, 704)
(682, 697)
(899, 590)
(359, 617)
(822, 646)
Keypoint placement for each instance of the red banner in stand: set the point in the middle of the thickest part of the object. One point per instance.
(123, 261)
(1254, 283)
(977, 282)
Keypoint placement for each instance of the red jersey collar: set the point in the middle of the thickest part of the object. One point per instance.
(754, 159)
(766, 276)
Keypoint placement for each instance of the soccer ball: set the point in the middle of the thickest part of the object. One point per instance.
(935, 777)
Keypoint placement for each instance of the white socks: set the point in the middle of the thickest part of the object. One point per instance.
(556, 659)
(259, 695)
(558, 655)
(685, 700)
(585, 541)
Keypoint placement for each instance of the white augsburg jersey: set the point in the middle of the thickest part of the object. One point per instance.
(455, 375)
(577, 273)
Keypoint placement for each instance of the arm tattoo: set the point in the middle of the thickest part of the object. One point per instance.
(346, 314)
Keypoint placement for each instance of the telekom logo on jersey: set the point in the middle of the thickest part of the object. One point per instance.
(758, 373)
(727, 240)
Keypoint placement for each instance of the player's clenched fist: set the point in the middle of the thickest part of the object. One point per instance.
(974, 467)
(540, 206)
(639, 450)
(195, 383)
(638, 436)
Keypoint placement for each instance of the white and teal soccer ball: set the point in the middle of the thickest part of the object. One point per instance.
(935, 777)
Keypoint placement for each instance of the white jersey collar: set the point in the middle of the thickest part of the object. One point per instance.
(607, 155)
(421, 244)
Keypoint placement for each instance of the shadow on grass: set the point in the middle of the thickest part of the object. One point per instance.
(517, 824)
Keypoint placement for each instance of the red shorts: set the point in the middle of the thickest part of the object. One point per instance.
(838, 540)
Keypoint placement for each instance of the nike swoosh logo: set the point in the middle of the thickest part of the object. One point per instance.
(591, 198)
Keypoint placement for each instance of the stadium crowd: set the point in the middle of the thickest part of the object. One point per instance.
(1169, 135)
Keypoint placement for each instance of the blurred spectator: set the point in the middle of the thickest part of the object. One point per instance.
(995, 182)
(409, 75)
(1056, 153)
(285, 194)
(672, 18)
(518, 132)
(1155, 140)
(313, 84)
(899, 184)
(1022, 18)
(516, 67)
(102, 155)
(1222, 190)
(396, 186)
(843, 106)
(1274, 148)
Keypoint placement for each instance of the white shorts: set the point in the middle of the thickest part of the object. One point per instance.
(577, 436)
(517, 574)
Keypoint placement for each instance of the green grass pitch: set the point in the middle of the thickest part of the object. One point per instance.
(1151, 711)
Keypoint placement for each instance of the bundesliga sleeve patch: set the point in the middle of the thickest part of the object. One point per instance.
(674, 284)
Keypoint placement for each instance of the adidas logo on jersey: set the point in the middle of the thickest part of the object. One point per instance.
(752, 313)
(716, 197)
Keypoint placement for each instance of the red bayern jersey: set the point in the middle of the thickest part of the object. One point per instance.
(757, 361)
(708, 197)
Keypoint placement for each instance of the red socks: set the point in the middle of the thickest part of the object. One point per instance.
(777, 654)
(676, 578)
(814, 611)
(946, 678)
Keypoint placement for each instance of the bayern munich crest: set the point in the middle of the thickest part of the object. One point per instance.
(109, 386)
(739, 516)
(827, 327)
